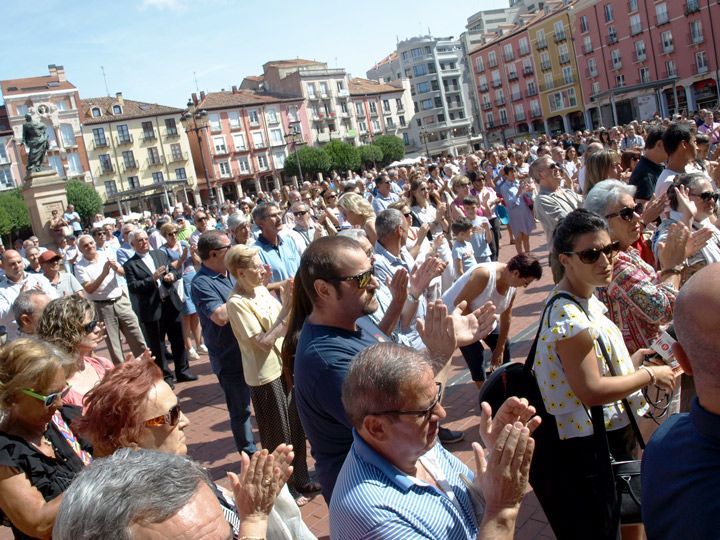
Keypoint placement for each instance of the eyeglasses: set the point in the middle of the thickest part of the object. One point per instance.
(707, 196)
(300, 213)
(590, 256)
(330, 197)
(221, 248)
(627, 213)
(424, 414)
(99, 233)
(50, 398)
(173, 233)
(553, 165)
(170, 418)
(409, 214)
(363, 279)
(200, 219)
(91, 326)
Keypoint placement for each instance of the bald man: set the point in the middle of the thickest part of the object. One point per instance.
(681, 464)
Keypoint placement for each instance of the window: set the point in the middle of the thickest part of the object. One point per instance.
(340, 85)
(258, 140)
(635, 24)
(133, 182)
(117, 109)
(158, 177)
(239, 141)
(511, 72)
(508, 52)
(667, 41)
(661, 13)
(362, 126)
(535, 108)
(129, 159)
(176, 152)
(253, 117)
(559, 30)
(376, 126)
(276, 137)
(219, 144)
(323, 89)
(584, 26)
(479, 64)
(540, 39)
(359, 108)
(587, 45)
(67, 135)
(619, 81)
(545, 60)
(592, 67)
(180, 173)
(419, 70)
(406, 139)
(123, 134)
(99, 137)
(105, 163)
(519, 113)
(233, 119)
(3, 154)
(608, 13)
(616, 58)
(670, 68)
(499, 97)
(492, 59)
(311, 90)
(564, 54)
(225, 171)
(503, 117)
(524, 46)
(262, 162)
(612, 35)
(564, 99)
(272, 116)
(170, 127)
(489, 120)
(373, 107)
(243, 165)
(696, 33)
(644, 74)
(496, 81)
(401, 119)
(595, 88)
(568, 75)
(386, 105)
(153, 156)
(438, 102)
(549, 84)
(95, 112)
(426, 104)
(527, 66)
(292, 114)
(214, 119)
(531, 88)
(110, 187)
(73, 161)
(632, 5)
(416, 52)
(279, 159)
(640, 53)
(701, 63)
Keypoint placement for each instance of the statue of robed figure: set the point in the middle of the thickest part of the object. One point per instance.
(35, 138)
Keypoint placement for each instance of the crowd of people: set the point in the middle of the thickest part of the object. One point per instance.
(334, 309)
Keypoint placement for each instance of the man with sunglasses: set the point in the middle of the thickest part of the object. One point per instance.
(397, 482)
(384, 196)
(306, 229)
(201, 225)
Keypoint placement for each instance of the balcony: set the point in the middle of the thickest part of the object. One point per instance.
(545, 66)
(509, 57)
(272, 120)
(130, 165)
(587, 49)
(503, 121)
(125, 139)
(695, 39)
(171, 133)
(692, 6)
(528, 70)
(500, 101)
(671, 73)
(497, 83)
(560, 36)
(313, 97)
(519, 116)
(635, 29)
(178, 157)
(591, 73)
(489, 125)
(661, 19)
(667, 48)
(148, 136)
(343, 94)
(492, 63)
(512, 76)
(97, 144)
(483, 87)
(612, 39)
(516, 97)
(373, 112)
(615, 64)
(700, 68)
(486, 105)
(221, 150)
(540, 45)
(564, 59)
(535, 113)
(524, 51)
(259, 145)
(155, 161)
(532, 91)
(106, 168)
(640, 57)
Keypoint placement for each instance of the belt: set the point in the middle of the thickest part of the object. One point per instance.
(108, 301)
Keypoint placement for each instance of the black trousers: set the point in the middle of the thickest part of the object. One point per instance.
(155, 333)
(473, 354)
(495, 248)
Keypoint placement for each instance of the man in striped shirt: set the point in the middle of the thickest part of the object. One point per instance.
(398, 483)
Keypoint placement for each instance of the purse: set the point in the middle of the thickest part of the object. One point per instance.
(622, 478)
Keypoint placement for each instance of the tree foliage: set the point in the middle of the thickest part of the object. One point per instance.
(370, 154)
(343, 156)
(14, 215)
(87, 201)
(393, 148)
(312, 161)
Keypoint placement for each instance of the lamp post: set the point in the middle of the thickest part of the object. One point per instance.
(294, 137)
(197, 120)
(424, 139)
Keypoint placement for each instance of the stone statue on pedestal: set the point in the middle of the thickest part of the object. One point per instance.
(35, 138)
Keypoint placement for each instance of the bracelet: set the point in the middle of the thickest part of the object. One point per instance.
(412, 297)
(653, 379)
(675, 270)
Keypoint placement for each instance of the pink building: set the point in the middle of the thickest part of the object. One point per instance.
(244, 146)
(10, 163)
(641, 57)
(507, 87)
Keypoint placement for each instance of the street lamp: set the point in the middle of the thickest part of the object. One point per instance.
(196, 121)
(294, 137)
(424, 139)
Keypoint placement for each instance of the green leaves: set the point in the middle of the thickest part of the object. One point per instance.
(87, 201)
(14, 214)
(393, 148)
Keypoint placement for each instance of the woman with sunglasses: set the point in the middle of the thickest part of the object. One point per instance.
(692, 202)
(427, 207)
(39, 454)
(134, 407)
(573, 376)
(639, 299)
(70, 323)
(258, 321)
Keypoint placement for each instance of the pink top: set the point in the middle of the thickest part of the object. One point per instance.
(101, 366)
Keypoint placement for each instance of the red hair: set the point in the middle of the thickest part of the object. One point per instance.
(113, 408)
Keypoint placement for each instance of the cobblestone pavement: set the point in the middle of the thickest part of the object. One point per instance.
(210, 440)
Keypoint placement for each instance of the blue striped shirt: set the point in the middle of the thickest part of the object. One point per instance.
(374, 499)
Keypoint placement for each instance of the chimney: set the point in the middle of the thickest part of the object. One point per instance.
(52, 68)
(202, 95)
(234, 89)
(60, 73)
(194, 98)
(119, 98)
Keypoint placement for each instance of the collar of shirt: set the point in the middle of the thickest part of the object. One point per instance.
(262, 240)
(707, 423)
(405, 259)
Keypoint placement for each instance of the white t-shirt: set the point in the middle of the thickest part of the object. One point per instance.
(9, 291)
(86, 272)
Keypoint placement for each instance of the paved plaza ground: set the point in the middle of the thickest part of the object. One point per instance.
(210, 440)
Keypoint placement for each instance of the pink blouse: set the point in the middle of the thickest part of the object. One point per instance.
(101, 366)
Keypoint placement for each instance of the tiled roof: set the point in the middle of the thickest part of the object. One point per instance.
(240, 98)
(360, 87)
(130, 109)
(389, 58)
(291, 63)
(34, 84)
(258, 78)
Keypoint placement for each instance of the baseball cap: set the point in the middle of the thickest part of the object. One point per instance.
(48, 256)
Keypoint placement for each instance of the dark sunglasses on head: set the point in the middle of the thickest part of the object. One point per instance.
(50, 398)
(627, 213)
(708, 196)
(170, 418)
(591, 256)
(363, 279)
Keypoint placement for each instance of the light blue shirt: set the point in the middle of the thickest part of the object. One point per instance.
(374, 499)
(284, 259)
(381, 203)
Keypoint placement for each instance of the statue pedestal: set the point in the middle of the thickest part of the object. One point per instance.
(44, 191)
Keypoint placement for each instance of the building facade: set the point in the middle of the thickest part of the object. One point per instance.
(644, 57)
(54, 101)
(381, 108)
(245, 143)
(10, 165)
(442, 122)
(139, 154)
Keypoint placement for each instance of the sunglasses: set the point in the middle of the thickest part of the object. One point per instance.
(300, 213)
(627, 213)
(173, 233)
(330, 197)
(170, 418)
(363, 279)
(590, 256)
(200, 219)
(424, 414)
(50, 398)
(708, 196)
(91, 326)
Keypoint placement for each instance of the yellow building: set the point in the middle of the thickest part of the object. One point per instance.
(139, 154)
(553, 50)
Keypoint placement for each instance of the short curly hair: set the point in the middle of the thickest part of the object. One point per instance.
(63, 321)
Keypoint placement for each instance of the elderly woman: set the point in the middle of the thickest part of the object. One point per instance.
(181, 255)
(70, 323)
(572, 372)
(359, 213)
(692, 202)
(639, 299)
(134, 407)
(602, 165)
(39, 454)
(239, 229)
(258, 321)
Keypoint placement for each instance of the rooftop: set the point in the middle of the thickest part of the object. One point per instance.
(239, 98)
(291, 63)
(359, 87)
(29, 85)
(130, 109)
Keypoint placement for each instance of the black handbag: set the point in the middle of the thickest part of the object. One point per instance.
(622, 478)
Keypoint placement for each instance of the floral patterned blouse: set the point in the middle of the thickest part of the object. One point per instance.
(636, 303)
(566, 320)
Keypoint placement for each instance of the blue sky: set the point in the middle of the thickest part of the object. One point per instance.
(150, 48)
